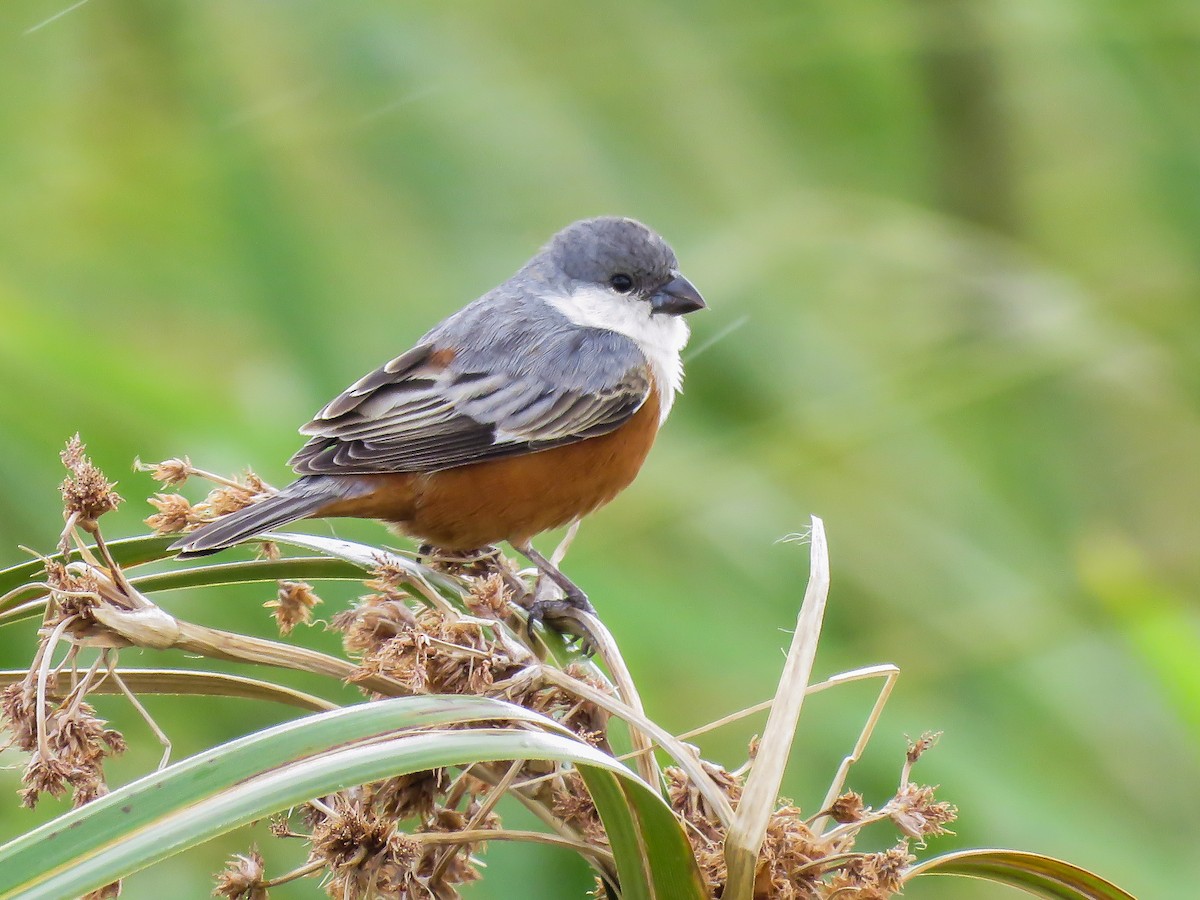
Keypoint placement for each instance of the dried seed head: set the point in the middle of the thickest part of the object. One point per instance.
(18, 714)
(873, 876)
(255, 484)
(917, 814)
(439, 654)
(459, 868)
(293, 604)
(849, 807)
(374, 621)
(690, 804)
(572, 803)
(46, 776)
(108, 892)
(469, 564)
(389, 577)
(75, 592)
(583, 717)
(280, 827)
(115, 741)
(788, 847)
(75, 747)
(86, 493)
(242, 878)
(411, 796)
(87, 788)
(170, 472)
(489, 597)
(362, 850)
(221, 501)
(175, 513)
(923, 743)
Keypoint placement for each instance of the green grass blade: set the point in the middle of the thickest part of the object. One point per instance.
(367, 558)
(653, 856)
(1042, 876)
(221, 789)
(128, 552)
(247, 571)
(312, 568)
(188, 682)
(191, 780)
(759, 798)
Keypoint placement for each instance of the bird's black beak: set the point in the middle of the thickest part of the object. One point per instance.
(677, 297)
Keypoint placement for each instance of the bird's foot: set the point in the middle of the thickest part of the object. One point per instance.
(564, 616)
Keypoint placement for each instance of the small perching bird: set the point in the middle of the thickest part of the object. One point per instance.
(524, 411)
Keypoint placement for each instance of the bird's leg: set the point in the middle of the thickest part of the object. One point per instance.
(574, 596)
(558, 611)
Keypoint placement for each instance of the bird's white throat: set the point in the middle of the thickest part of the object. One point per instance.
(660, 337)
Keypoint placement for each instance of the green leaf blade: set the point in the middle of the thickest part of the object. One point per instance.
(1042, 876)
(252, 777)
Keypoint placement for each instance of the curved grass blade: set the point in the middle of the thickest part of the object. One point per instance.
(127, 552)
(186, 681)
(221, 789)
(314, 568)
(1042, 876)
(218, 769)
(367, 558)
(248, 571)
(749, 827)
(651, 850)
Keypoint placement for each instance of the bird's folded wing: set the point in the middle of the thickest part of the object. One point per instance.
(420, 413)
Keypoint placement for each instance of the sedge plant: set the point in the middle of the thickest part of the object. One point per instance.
(396, 796)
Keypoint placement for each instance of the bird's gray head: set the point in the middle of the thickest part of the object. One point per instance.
(625, 258)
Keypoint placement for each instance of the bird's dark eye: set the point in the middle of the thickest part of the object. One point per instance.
(621, 283)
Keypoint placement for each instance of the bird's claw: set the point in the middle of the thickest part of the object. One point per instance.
(563, 616)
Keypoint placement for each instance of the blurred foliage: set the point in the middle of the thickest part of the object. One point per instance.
(952, 251)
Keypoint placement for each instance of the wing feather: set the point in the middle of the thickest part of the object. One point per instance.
(430, 409)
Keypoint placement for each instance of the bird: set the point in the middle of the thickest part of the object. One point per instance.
(526, 410)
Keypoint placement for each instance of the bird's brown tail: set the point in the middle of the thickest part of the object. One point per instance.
(298, 500)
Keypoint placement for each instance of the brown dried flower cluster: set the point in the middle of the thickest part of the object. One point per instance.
(915, 812)
(847, 808)
(426, 650)
(701, 822)
(788, 863)
(571, 802)
(86, 493)
(175, 513)
(293, 605)
(489, 597)
(359, 840)
(171, 472)
(583, 717)
(439, 654)
(68, 743)
(67, 750)
(74, 591)
(872, 876)
(798, 863)
(242, 878)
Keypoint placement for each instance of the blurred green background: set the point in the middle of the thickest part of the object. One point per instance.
(952, 251)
